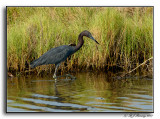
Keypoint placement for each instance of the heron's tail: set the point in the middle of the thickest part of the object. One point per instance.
(33, 64)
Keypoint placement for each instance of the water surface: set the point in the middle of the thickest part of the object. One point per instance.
(90, 92)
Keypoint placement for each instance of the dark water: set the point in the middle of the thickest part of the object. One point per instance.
(88, 93)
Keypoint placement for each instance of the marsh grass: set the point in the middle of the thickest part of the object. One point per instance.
(125, 36)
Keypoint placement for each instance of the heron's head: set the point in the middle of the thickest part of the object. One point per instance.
(89, 35)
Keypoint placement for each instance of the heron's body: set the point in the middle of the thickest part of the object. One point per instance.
(60, 54)
(54, 56)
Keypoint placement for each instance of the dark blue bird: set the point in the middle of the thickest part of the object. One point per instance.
(60, 54)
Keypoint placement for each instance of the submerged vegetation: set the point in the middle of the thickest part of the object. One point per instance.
(125, 36)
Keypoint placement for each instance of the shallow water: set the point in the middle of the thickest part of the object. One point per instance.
(88, 93)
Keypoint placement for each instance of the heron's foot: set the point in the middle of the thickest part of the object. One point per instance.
(72, 77)
(66, 75)
(55, 77)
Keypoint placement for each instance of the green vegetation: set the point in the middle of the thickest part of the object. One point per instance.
(125, 36)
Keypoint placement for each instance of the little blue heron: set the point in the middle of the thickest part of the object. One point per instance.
(60, 54)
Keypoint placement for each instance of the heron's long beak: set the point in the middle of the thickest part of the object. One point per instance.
(93, 39)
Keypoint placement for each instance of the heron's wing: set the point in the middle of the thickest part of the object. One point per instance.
(54, 56)
(59, 55)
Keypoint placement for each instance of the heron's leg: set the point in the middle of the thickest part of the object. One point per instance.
(54, 76)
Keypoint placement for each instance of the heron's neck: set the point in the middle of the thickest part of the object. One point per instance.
(80, 43)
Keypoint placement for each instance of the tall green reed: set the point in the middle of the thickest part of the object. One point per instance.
(126, 38)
